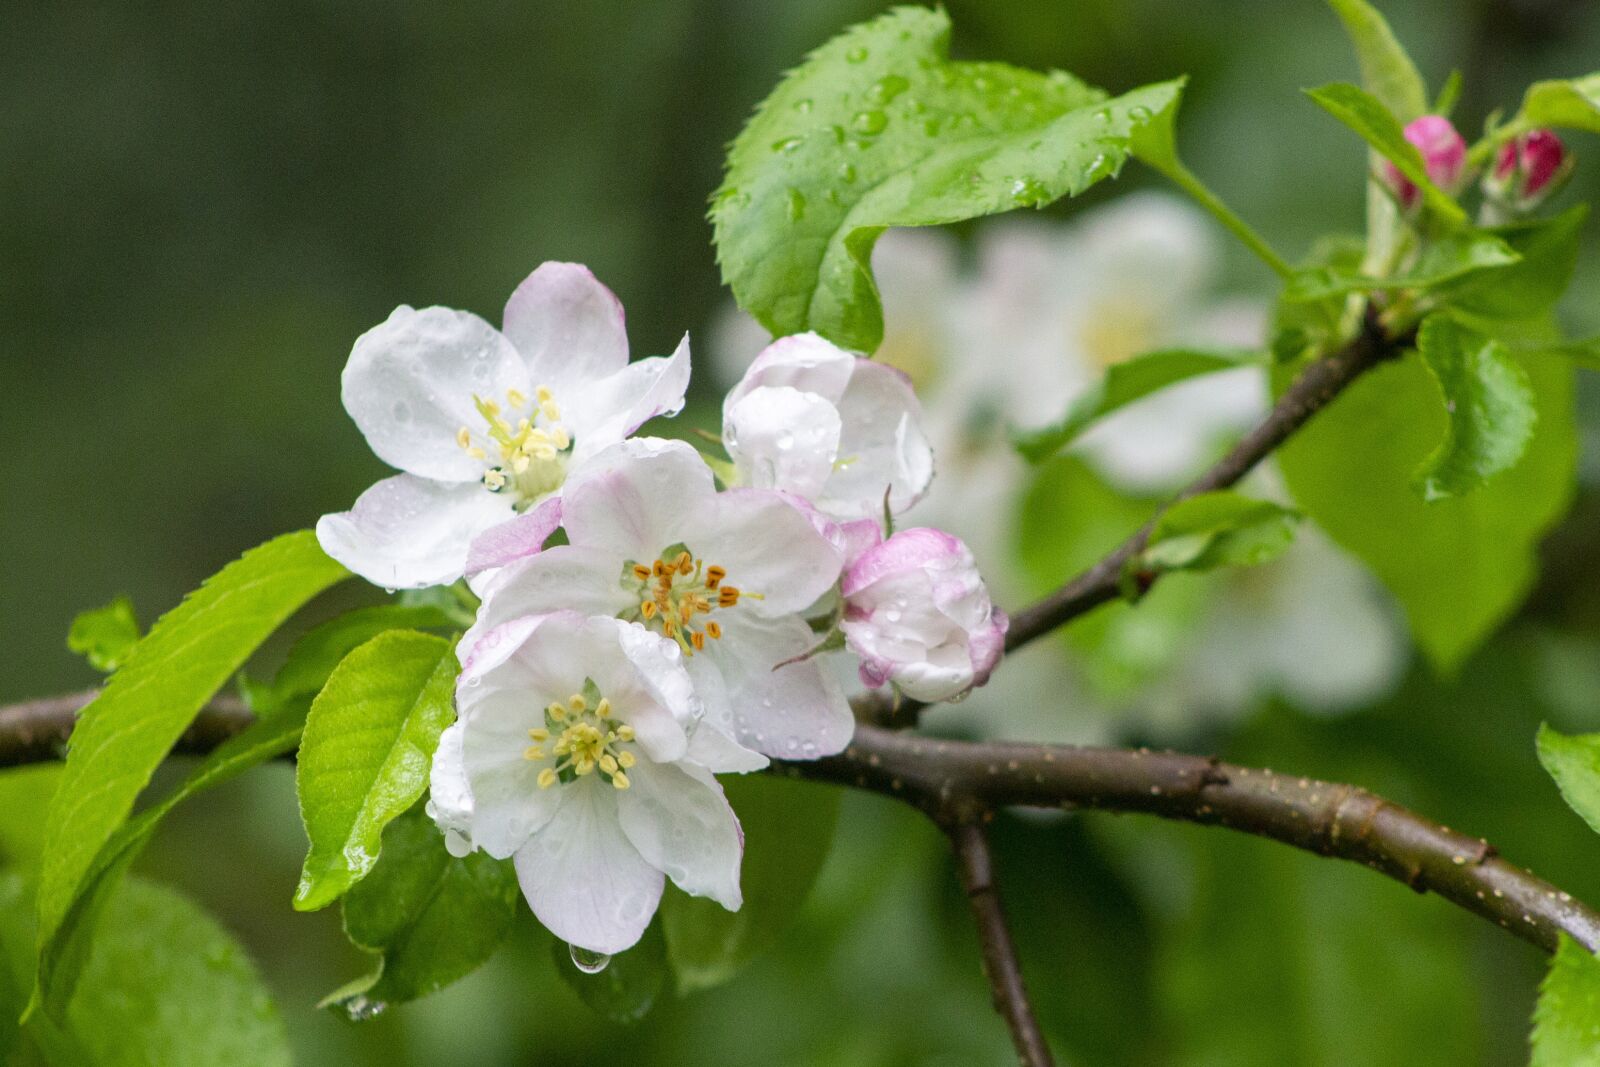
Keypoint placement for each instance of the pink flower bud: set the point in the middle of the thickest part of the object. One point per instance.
(1444, 155)
(918, 614)
(1528, 169)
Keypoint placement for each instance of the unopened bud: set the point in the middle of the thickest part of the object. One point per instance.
(1528, 170)
(1444, 155)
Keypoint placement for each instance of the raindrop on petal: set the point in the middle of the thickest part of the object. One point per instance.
(586, 961)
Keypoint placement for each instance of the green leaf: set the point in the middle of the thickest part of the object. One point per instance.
(1546, 253)
(1457, 566)
(1367, 116)
(1574, 762)
(788, 832)
(430, 917)
(1566, 1022)
(1454, 256)
(1489, 403)
(319, 650)
(1220, 529)
(629, 985)
(105, 636)
(368, 748)
(1387, 72)
(165, 985)
(1573, 103)
(877, 128)
(146, 706)
(1122, 385)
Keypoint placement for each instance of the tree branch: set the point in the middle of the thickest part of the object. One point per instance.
(971, 843)
(950, 779)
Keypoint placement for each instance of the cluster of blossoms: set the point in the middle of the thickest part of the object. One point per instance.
(1528, 169)
(678, 630)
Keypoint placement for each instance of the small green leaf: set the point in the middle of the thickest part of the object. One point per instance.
(1387, 72)
(1367, 116)
(1574, 762)
(788, 832)
(1220, 529)
(1122, 385)
(368, 748)
(1566, 1022)
(431, 918)
(149, 702)
(1490, 406)
(1454, 256)
(1545, 254)
(877, 128)
(105, 636)
(630, 983)
(319, 650)
(1573, 103)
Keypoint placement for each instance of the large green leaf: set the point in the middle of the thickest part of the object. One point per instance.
(1566, 1024)
(318, 651)
(1455, 256)
(1458, 566)
(1546, 252)
(1221, 529)
(1377, 125)
(368, 748)
(128, 730)
(1123, 384)
(430, 917)
(877, 128)
(788, 831)
(105, 636)
(1574, 762)
(1387, 72)
(1570, 102)
(164, 985)
(1489, 405)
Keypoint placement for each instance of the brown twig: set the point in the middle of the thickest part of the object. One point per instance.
(970, 840)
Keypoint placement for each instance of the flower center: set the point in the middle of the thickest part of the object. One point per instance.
(581, 737)
(675, 591)
(524, 446)
(1120, 328)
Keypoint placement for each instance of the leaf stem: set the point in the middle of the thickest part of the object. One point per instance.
(1186, 180)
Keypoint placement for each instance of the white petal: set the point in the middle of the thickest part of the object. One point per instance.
(584, 879)
(407, 532)
(410, 382)
(679, 820)
(449, 795)
(768, 546)
(797, 711)
(802, 361)
(568, 327)
(712, 746)
(781, 438)
(636, 498)
(518, 538)
(567, 577)
(606, 411)
(882, 446)
(507, 804)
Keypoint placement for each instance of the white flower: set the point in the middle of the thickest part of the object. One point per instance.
(487, 424)
(919, 615)
(575, 755)
(844, 432)
(727, 576)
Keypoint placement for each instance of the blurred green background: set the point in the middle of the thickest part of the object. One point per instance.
(202, 205)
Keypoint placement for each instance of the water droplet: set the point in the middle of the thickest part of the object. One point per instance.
(1026, 191)
(887, 88)
(856, 55)
(1103, 115)
(474, 681)
(360, 1009)
(796, 205)
(981, 83)
(838, 134)
(586, 961)
(892, 615)
(389, 589)
(848, 172)
(869, 122)
(809, 750)
(788, 144)
(802, 106)
(1139, 113)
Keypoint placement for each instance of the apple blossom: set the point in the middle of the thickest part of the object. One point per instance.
(575, 754)
(487, 424)
(918, 615)
(1528, 170)
(726, 576)
(842, 431)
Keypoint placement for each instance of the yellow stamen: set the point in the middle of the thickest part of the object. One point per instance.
(697, 639)
(647, 608)
(713, 629)
(494, 479)
(603, 709)
(714, 576)
(557, 712)
(727, 596)
(620, 780)
(577, 703)
(477, 453)
(608, 763)
(641, 572)
(584, 766)
(684, 563)
(625, 732)
(517, 397)
(464, 437)
(539, 733)
(533, 752)
(544, 394)
(626, 759)
(547, 778)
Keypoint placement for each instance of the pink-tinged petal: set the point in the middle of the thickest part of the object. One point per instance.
(568, 327)
(610, 409)
(781, 438)
(768, 546)
(636, 498)
(490, 650)
(567, 577)
(853, 539)
(679, 820)
(907, 550)
(988, 645)
(410, 382)
(523, 536)
(795, 711)
(407, 532)
(801, 361)
(882, 447)
(584, 879)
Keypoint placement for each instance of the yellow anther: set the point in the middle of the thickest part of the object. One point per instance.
(547, 778)
(544, 394)
(626, 759)
(713, 629)
(647, 608)
(684, 563)
(517, 397)
(559, 436)
(539, 733)
(519, 463)
(641, 572)
(464, 437)
(585, 765)
(477, 453)
(557, 711)
(533, 752)
(603, 709)
(658, 568)
(714, 576)
(549, 410)
(698, 640)
(727, 596)
(487, 408)
(625, 733)
(608, 763)
(494, 479)
(577, 703)
(620, 780)
(668, 627)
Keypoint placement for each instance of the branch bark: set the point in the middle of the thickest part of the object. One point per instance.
(970, 841)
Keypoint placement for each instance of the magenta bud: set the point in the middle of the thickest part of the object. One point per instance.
(1528, 169)
(1444, 155)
